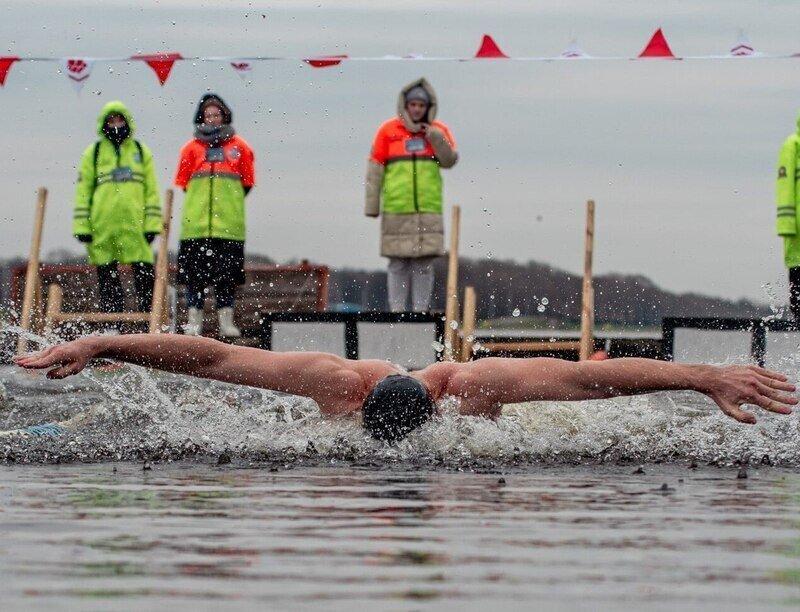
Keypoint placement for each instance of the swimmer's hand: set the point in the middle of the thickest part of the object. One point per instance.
(732, 386)
(70, 358)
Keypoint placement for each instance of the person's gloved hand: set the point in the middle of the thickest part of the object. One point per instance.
(150, 236)
(84, 237)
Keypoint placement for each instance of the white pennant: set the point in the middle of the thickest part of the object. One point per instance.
(77, 70)
(743, 48)
(573, 51)
(243, 68)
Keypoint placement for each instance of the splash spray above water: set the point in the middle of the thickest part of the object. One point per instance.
(132, 413)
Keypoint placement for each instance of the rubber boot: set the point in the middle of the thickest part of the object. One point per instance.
(226, 325)
(194, 323)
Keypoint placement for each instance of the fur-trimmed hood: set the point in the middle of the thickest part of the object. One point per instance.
(401, 104)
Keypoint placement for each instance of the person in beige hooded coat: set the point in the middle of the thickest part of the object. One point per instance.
(405, 186)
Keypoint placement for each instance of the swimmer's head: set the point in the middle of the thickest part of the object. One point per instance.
(397, 405)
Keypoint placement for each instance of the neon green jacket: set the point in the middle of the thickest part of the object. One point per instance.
(116, 198)
(788, 198)
(215, 190)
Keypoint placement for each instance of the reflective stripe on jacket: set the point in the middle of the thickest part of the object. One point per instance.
(412, 182)
(214, 179)
(116, 197)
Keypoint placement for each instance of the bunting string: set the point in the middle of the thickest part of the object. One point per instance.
(79, 69)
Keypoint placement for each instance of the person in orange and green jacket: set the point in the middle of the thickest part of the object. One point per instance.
(788, 198)
(216, 170)
(404, 184)
(117, 210)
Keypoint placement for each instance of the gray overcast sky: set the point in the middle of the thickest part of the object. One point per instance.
(680, 156)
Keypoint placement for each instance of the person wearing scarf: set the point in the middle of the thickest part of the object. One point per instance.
(216, 170)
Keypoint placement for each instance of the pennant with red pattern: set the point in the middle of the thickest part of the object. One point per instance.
(573, 51)
(243, 68)
(77, 70)
(743, 48)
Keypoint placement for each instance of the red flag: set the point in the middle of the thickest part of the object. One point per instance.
(489, 49)
(325, 61)
(5, 66)
(657, 47)
(161, 63)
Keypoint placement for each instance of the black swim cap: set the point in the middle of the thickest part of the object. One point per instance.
(397, 405)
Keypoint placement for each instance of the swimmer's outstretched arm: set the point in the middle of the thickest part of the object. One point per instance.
(488, 383)
(329, 380)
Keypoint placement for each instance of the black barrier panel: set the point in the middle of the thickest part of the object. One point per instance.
(350, 321)
(758, 329)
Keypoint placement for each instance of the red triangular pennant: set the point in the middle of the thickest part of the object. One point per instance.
(5, 66)
(489, 49)
(161, 63)
(325, 61)
(657, 47)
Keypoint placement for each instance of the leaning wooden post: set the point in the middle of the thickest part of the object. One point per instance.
(158, 310)
(587, 303)
(468, 329)
(451, 304)
(32, 285)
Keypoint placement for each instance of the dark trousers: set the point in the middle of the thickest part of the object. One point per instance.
(794, 292)
(225, 293)
(111, 296)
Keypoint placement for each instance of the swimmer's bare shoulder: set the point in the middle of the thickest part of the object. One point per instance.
(338, 385)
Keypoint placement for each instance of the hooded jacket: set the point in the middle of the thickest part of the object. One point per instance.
(788, 198)
(116, 197)
(214, 175)
(404, 181)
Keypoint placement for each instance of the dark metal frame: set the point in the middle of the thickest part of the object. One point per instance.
(351, 321)
(758, 329)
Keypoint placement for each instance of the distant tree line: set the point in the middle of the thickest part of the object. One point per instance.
(507, 289)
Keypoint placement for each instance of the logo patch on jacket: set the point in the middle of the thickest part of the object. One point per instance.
(782, 172)
(137, 157)
(120, 175)
(234, 153)
(415, 145)
(215, 154)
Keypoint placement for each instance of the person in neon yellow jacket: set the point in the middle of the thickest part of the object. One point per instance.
(788, 198)
(404, 185)
(117, 209)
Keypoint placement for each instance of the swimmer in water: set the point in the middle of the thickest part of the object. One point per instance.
(394, 402)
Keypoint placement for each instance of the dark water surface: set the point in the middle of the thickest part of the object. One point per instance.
(193, 536)
(305, 512)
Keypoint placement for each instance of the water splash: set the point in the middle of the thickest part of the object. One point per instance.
(135, 414)
(132, 413)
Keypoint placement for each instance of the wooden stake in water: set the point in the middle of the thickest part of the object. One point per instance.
(587, 302)
(468, 329)
(451, 304)
(32, 281)
(159, 311)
